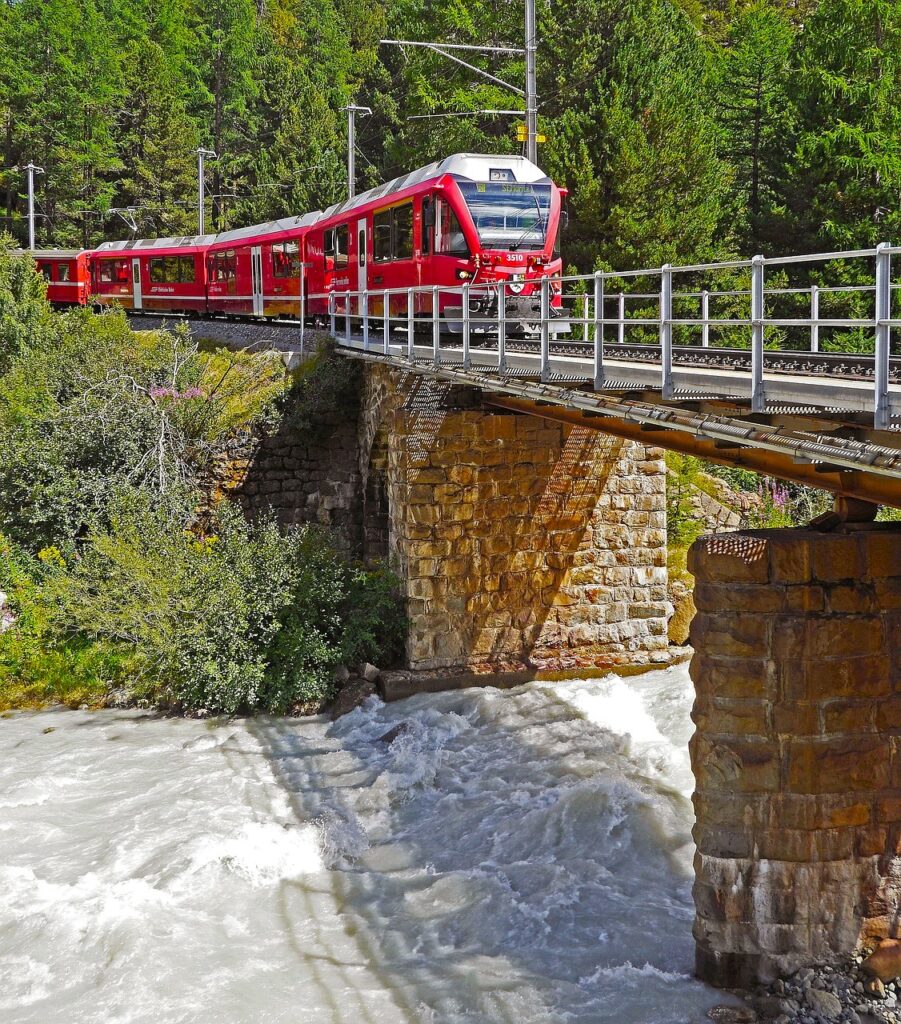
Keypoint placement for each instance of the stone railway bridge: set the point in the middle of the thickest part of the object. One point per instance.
(526, 516)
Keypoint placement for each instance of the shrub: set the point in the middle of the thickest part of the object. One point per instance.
(240, 618)
(38, 665)
(102, 407)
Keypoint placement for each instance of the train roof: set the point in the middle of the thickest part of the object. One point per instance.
(474, 166)
(184, 242)
(49, 254)
(272, 227)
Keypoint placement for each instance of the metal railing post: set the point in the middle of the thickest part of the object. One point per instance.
(386, 324)
(411, 323)
(666, 330)
(465, 300)
(814, 318)
(585, 300)
(598, 330)
(365, 312)
(545, 327)
(347, 296)
(621, 318)
(881, 410)
(436, 327)
(302, 309)
(333, 315)
(705, 317)
(502, 327)
(758, 398)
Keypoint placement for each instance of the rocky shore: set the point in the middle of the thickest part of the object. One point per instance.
(864, 989)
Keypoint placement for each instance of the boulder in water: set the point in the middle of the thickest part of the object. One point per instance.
(401, 729)
(351, 696)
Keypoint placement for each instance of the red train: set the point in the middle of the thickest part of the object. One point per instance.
(466, 218)
(66, 274)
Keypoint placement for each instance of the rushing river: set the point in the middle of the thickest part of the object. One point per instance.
(520, 856)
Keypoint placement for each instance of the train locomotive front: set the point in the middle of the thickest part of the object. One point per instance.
(510, 215)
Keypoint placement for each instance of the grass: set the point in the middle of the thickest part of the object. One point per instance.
(75, 673)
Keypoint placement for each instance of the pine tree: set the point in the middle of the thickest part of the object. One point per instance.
(755, 115)
(846, 191)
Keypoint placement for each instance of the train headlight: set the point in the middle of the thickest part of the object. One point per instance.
(516, 284)
(463, 275)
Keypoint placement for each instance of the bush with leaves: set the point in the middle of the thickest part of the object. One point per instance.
(39, 664)
(96, 406)
(239, 618)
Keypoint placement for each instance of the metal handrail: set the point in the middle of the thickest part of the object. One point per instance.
(583, 309)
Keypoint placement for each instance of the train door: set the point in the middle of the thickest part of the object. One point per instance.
(362, 277)
(256, 279)
(137, 300)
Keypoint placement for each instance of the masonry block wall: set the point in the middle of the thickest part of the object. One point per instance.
(309, 472)
(522, 543)
(797, 752)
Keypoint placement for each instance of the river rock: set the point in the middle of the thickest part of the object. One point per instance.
(351, 696)
(885, 962)
(875, 988)
(401, 729)
(683, 606)
(824, 1003)
(369, 672)
(341, 675)
(732, 1015)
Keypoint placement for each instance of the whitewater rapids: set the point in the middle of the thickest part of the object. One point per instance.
(520, 856)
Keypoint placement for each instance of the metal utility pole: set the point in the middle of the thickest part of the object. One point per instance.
(352, 111)
(202, 155)
(32, 169)
(531, 87)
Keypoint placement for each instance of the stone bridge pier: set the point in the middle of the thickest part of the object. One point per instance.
(797, 753)
(524, 545)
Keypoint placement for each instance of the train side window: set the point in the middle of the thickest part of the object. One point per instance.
(381, 236)
(292, 255)
(281, 266)
(122, 273)
(341, 238)
(44, 270)
(427, 226)
(328, 244)
(451, 241)
(361, 247)
(106, 271)
(62, 271)
(186, 272)
(402, 248)
(157, 272)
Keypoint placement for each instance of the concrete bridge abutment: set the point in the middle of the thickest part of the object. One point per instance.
(797, 749)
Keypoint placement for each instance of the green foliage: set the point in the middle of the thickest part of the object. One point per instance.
(95, 406)
(322, 385)
(240, 618)
(26, 318)
(38, 665)
(685, 131)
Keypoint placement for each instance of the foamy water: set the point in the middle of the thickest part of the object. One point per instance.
(519, 856)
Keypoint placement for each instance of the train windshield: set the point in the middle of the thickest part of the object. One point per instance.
(508, 216)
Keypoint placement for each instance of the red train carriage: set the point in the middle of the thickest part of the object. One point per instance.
(258, 271)
(152, 275)
(66, 274)
(467, 218)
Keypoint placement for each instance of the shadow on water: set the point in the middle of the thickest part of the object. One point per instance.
(505, 859)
